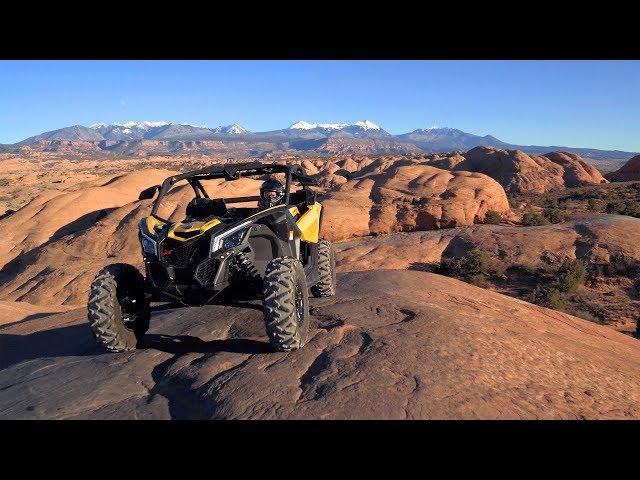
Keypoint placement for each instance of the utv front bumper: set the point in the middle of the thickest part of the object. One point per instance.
(182, 272)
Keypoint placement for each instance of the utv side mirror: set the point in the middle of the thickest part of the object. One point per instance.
(148, 193)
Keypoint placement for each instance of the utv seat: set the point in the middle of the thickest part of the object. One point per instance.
(202, 208)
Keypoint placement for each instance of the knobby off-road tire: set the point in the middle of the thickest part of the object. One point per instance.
(286, 304)
(110, 304)
(326, 286)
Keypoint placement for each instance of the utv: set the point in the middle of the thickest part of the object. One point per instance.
(274, 253)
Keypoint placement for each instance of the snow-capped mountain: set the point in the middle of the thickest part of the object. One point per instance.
(234, 129)
(131, 124)
(162, 131)
(367, 125)
(363, 128)
(302, 125)
(126, 131)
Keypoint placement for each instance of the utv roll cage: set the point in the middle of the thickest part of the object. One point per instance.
(230, 172)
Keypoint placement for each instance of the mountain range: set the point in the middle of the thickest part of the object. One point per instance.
(164, 138)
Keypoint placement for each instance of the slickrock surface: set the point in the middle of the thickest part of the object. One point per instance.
(593, 237)
(391, 344)
(55, 214)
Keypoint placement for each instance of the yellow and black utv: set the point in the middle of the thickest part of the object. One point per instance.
(272, 251)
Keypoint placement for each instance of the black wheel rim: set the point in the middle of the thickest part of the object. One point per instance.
(129, 310)
(299, 304)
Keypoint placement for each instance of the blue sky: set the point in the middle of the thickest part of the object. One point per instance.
(568, 103)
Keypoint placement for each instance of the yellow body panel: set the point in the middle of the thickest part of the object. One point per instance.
(199, 227)
(309, 224)
(152, 223)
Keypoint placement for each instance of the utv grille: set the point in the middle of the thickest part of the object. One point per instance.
(206, 271)
(183, 254)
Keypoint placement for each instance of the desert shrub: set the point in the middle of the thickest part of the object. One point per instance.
(479, 281)
(447, 194)
(554, 215)
(581, 313)
(589, 194)
(532, 219)
(549, 297)
(621, 264)
(492, 217)
(632, 208)
(593, 205)
(549, 202)
(514, 204)
(571, 275)
(4, 182)
(628, 207)
(475, 264)
(615, 207)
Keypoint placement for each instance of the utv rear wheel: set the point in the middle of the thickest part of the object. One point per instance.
(326, 286)
(286, 304)
(118, 311)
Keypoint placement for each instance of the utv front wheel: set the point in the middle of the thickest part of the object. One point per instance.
(286, 304)
(326, 286)
(118, 311)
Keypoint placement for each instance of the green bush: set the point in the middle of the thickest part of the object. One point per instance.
(475, 264)
(4, 182)
(530, 219)
(593, 205)
(554, 215)
(549, 297)
(492, 217)
(571, 275)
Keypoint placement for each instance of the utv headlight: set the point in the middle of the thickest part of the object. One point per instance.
(149, 246)
(229, 239)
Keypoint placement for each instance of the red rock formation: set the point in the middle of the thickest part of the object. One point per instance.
(630, 171)
(517, 171)
(393, 195)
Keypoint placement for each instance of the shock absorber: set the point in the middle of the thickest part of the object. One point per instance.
(244, 271)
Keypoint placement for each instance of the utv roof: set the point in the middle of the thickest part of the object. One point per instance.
(237, 170)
